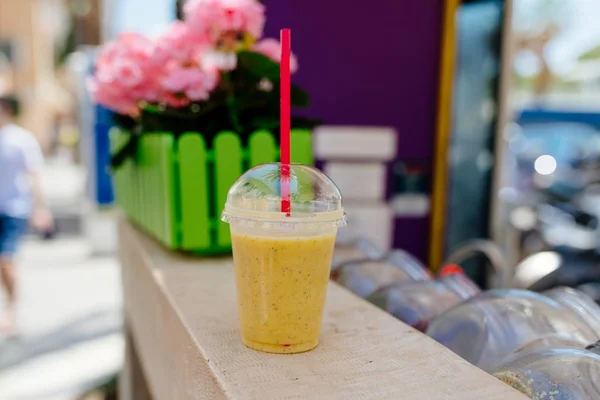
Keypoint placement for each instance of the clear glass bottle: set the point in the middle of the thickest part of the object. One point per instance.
(492, 325)
(549, 342)
(360, 248)
(363, 277)
(418, 302)
(562, 373)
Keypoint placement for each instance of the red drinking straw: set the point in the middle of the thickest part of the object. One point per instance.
(286, 48)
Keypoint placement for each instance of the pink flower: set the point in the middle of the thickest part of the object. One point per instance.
(272, 49)
(125, 74)
(127, 45)
(194, 83)
(133, 69)
(180, 43)
(176, 100)
(116, 101)
(179, 73)
(213, 18)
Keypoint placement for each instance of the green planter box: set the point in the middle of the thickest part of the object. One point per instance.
(175, 189)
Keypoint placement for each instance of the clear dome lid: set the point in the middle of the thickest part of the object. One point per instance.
(256, 198)
(494, 324)
(559, 373)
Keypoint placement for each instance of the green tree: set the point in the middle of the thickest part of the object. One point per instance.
(591, 54)
(538, 15)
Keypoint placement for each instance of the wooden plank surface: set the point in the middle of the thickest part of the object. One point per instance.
(183, 318)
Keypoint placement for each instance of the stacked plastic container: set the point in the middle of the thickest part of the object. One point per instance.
(534, 342)
(494, 324)
(399, 283)
(352, 249)
(365, 276)
(418, 302)
(560, 373)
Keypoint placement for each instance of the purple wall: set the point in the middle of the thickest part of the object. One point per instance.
(370, 63)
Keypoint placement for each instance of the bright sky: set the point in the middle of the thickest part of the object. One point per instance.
(581, 32)
(149, 17)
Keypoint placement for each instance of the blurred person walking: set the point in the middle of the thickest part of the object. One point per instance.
(21, 200)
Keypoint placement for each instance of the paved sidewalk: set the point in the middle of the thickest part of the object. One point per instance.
(70, 322)
(64, 187)
(69, 309)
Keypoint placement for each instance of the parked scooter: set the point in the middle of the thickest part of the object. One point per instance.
(568, 233)
(556, 207)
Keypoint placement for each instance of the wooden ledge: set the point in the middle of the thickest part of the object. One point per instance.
(182, 319)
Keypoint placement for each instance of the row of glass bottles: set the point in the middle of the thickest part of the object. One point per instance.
(494, 324)
(563, 371)
(517, 335)
(400, 284)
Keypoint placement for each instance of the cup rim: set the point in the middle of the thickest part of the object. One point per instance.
(235, 215)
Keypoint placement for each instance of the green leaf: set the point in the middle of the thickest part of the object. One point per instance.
(226, 79)
(233, 103)
(258, 65)
(305, 123)
(272, 123)
(124, 121)
(268, 123)
(299, 97)
(129, 150)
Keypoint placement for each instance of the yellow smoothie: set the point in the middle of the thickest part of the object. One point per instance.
(281, 286)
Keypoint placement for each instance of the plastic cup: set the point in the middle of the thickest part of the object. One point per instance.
(282, 263)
